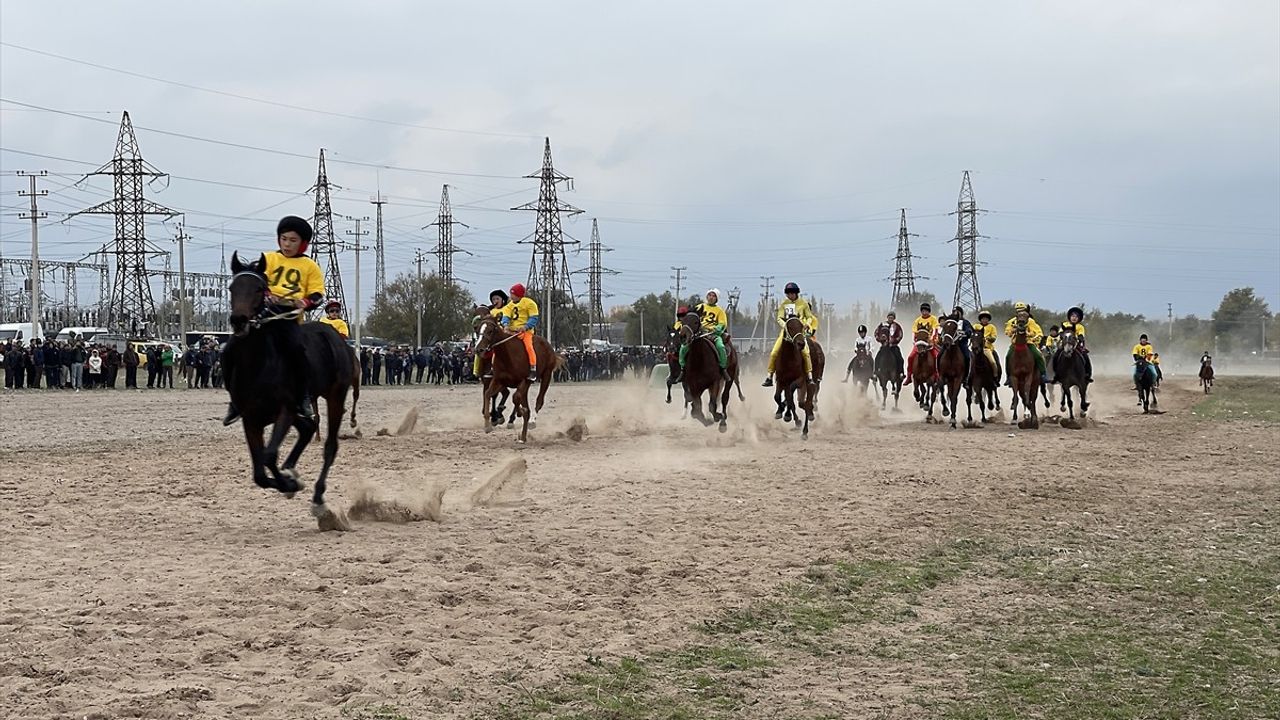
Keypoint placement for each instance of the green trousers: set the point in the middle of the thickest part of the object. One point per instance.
(722, 355)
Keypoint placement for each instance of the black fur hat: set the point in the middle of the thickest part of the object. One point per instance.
(295, 224)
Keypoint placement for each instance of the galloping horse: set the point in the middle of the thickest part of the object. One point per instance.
(702, 373)
(860, 367)
(673, 361)
(887, 374)
(1069, 371)
(791, 377)
(951, 370)
(262, 387)
(1206, 374)
(1144, 376)
(983, 380)
(511, 370)
(1025, 377)
(498, 403)
(924, 373)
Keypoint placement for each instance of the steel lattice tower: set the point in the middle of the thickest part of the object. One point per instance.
(595, 291)
(967, 294)
(131, 305)
(548, 270)
(323, 241)
(380, 269)
(904, 278)
(444, 249)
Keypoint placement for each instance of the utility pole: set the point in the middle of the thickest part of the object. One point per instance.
(734, 296)
(595, 293)
(418, 257)
(445, 250)
(679, 278)
(967, 294)
(323, 240)
(548, 269)
(904, 278)
(1170, 323)
(765, 296)
(357, 234)
(35, 216)
(182, 284)
(131, 305)
(827, 309)
(380, 264)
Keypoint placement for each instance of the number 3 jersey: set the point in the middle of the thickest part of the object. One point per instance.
(295, 278)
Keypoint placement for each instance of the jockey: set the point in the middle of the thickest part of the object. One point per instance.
(333, 318)
(1155, 360)
(1050, 341)
(521, 316)
(714, 322)
(861, 346)
(294, 282)
(928, 324)
(1143, 351)
(1074, 324)
(1021, 311)
(793, 306)
(680, 313)
(497, 301)
(889, 334)
(988, 332)
(964, 331)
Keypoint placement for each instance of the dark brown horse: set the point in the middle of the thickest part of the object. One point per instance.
(1206, 374)
(702, 373)
(924, 374)
(887, 374)
(860, 368)
(259, 380)
(951, 370)
(1024, 376)
(984, 380)
(793, 392)
(511, 370)
(1070, 371)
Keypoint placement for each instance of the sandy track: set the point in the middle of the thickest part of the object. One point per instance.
(145, 576)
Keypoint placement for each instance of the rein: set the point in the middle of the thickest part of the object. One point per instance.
(265, 315)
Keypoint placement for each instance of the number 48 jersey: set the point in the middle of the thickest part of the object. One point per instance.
(294, 278)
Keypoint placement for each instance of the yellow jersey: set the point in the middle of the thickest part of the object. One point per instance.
(337, 324)
(294, 278)
(1034, 333)
(988, 334)
(713, 317)
(1050, 342)
(520, 311)
(800, 308)
(925, 324)
(1076, 328)
(1144, 350)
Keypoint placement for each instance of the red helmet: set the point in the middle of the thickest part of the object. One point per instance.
(682, 311)
(517, 290)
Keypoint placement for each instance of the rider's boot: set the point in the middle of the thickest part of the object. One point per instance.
(533, 373)
(768, 381)
(233, 414)
(809, 379)
(304, 408)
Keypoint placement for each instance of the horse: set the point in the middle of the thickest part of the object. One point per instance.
(951, 370)
(673, 361)
(510, 369)
(791, 381)
(887, 374)
(702, 373)
(983, 379)
(924, 374)
(262, 388)
(1145, 379)
(1025, 377)
(1206, 374)
(1069, 371)
(861, 368)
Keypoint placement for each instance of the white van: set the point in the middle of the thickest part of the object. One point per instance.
(19, 332)
(83, 333)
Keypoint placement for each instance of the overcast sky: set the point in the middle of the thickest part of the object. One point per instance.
(1127, 153)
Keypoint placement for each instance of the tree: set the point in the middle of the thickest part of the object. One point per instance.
(446, 310)
(909, 304)
(652, 313)
(568, 321)
(1241, 320)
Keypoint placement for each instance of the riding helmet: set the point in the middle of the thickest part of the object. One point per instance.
(500, 294)
(862, 328)
(1021, 306)
(958, 310)
(332, 305)
(682, 311)
(517, 291)
(984, 314)
(1079, 313)
(715, 291)
(792, 288)
(295, 224)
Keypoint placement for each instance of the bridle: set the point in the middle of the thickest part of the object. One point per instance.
(489, 321)
(794, 337)
(264, 314)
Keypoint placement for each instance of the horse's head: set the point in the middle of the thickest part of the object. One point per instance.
(488, 332)
(690, 324)
(794, 329)
(248, 291)
(1067, 341)
(950, 329)
(1020, 331)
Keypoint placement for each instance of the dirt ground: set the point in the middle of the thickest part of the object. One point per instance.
(144, 575)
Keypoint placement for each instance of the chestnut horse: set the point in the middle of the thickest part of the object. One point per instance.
(951, 370)
(791, 383)
(984, 380)
(924, 373)
(887, 374)
(511, 370)
(1025, 377)
(702, 373)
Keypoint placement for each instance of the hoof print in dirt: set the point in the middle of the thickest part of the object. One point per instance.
(1070, 424)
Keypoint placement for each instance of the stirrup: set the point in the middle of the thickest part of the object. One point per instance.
(233, 414)
(768, 382)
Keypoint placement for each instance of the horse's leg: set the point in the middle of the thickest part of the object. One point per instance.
(521, 400)
(777, 399)
(253, 436)
(306, 431)
(334, 406)
(486, 403)
(283, 483)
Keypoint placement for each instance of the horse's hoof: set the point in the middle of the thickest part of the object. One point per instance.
(262, 481)
(488, 429)
(668, 401)
(777, 416)
(724, 428)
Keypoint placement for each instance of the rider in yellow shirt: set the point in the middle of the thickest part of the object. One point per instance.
(294, 283)
(927, 323)
(793, 306)
(1021, 311)
(714, 323)
(988, 333)
(333, 318)
(521, 316)
(1144, 351)
(497, 300)
(1074, 324)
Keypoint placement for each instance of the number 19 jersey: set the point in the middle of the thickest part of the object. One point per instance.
(294, 277)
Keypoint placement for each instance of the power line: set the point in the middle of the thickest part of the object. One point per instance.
(967, 293)
(548, 269)
(445, 250)
(595, 291)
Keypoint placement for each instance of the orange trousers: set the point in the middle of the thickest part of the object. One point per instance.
(527, 337)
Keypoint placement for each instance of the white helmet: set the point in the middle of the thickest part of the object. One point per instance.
(716, 291)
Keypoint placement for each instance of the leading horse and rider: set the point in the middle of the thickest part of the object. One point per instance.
(793, 306)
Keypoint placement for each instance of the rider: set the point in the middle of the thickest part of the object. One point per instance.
(497, 300)
(988, 332)
(680, 313)
(333, 318)
(294, 283)
(714, 322)
(1050, 341)
(861, 346)
(1021, 311)
(1074, 324)
(964, 331)
(1142, 351)
(928, 324)
(1155, 360)
(798, 307)
(521, 316)
(889, 334)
